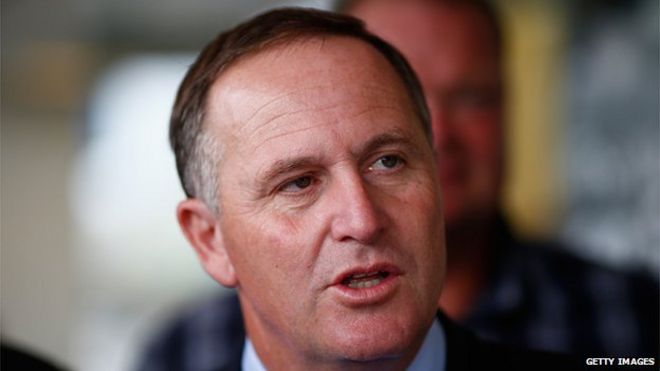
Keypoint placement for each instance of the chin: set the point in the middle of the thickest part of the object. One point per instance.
(374, 339)
(373, 351)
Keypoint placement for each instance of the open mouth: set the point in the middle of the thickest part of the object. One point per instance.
(365, 280)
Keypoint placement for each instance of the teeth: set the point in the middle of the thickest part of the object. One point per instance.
(365, 280)
(363, 284)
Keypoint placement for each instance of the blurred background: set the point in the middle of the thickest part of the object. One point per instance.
(91, 256)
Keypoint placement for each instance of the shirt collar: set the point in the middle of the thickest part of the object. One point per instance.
(431, 356)
(251, 361)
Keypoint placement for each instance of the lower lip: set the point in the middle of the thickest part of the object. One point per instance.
(368, 295)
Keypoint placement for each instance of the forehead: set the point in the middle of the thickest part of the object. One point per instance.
(316, 75)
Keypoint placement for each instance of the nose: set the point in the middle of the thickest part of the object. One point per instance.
(355, 215)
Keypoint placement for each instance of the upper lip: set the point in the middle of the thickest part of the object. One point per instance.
(371, 268)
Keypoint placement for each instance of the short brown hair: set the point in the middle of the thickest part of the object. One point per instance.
(195, 151)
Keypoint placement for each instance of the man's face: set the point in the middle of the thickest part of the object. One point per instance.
(329, 204)
(451, 48)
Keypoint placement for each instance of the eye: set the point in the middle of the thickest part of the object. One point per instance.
(386, 163)
(297, 184)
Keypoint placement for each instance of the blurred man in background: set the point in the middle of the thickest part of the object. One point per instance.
(522, 292)
(525, 293)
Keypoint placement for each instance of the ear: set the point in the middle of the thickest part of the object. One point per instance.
(201, 228)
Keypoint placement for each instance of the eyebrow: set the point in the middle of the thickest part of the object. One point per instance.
(283, 166)
(395, 137)
(288, 164)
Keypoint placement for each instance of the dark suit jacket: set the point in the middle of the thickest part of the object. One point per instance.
(467, 352)
(173, 350)
(15, 358)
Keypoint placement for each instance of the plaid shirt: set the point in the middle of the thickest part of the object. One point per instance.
(541, 297)
(538, 297)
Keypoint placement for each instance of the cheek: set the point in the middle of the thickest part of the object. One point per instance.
(284, 246)
(483, 141)
(276, 246)
(483, 147)
(423, 236)
(419, 209)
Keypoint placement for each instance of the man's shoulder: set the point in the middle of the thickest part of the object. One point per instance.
(561, 262)
(207, 336)
(558, 265)
(570, 303)
(465, 351)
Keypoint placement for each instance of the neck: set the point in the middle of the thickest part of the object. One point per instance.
(468, 256)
